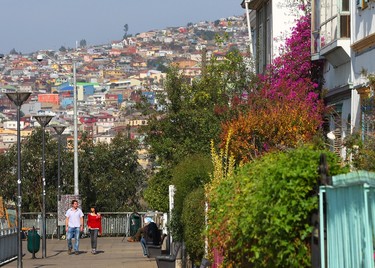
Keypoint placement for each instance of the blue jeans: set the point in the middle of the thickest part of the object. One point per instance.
(73, 232)
(144, 247)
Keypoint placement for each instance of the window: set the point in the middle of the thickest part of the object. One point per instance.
(264, 53)
(334, 20)
(368, 117)
(345, 26)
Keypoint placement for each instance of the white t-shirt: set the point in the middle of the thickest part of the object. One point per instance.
(74, 217)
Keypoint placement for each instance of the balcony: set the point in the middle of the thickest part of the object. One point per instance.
(337, 52)
(253, 4)
(335, 39)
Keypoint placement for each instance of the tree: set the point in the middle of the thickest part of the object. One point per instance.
(156, 193)
(110, 175)
(31, 168)
(82, 43)
(193, 112)
(126, 28)
(13, 52)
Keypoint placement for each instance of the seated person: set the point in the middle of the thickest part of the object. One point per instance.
(149, 234)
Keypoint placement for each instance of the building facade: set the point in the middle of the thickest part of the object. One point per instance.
(343, 37)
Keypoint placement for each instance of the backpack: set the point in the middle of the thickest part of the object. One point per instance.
(153, 233)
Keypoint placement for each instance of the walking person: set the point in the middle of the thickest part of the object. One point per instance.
(94, 224)
(73, 226)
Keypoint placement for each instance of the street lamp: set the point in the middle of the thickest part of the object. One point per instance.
(18, 98)
(59, 129)
(75, 145)
(246, 4)
(75, 116)
(43, 121)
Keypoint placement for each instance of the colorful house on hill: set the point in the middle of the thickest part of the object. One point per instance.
(84, 90)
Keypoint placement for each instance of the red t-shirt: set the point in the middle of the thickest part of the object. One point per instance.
(94, 222)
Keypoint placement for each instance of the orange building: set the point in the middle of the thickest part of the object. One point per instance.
(48, 98)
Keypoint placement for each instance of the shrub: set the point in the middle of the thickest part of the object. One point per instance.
(261, 215)
(190, 174)
(193, 222)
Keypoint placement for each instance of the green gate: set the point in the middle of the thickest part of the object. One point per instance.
(347, 214)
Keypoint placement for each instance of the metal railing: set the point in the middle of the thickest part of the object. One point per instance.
(8, 245)
(113, 223)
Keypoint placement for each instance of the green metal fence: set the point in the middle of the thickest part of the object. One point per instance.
(347, 217)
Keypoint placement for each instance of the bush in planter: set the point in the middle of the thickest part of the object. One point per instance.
(193, 222)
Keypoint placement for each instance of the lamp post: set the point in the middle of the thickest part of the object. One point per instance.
(43, 121)
(18, 98)
(247, 3)
(59, 129)
(75, 135)
(75, 145)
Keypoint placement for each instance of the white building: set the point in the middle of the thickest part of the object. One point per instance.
(270, 23)
(12, 125)
(343, 36)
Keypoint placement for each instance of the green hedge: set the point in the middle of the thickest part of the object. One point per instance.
(193, 222)
(260, 217)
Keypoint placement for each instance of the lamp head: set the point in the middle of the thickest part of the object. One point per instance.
(44, 117)
(39, 57)
(18, 97)
(58, 126)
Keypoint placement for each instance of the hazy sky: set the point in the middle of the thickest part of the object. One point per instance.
(30, 25)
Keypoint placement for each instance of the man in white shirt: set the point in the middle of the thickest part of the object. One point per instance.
(73, 226)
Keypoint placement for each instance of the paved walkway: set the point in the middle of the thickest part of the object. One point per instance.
(112, 252)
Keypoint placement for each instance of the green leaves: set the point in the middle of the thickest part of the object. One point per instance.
(265, 208)
(193, 222)
(109, 175)
(156, 193)
(190, 174)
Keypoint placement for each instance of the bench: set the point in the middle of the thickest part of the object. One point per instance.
(155, 250)
(169, 261)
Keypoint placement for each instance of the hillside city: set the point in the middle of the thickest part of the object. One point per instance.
(110, 78)
(262, 157)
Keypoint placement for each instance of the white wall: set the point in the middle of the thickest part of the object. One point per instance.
(283, 19)
(13, 125)
(363, 21)
(336, 77)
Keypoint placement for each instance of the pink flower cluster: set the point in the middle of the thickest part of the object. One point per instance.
(290, 76)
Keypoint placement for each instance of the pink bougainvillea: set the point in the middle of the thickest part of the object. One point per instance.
(285, 107)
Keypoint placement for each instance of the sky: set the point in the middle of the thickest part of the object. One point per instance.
(31, 25)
